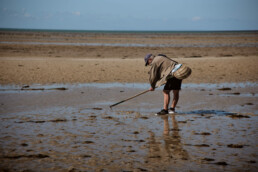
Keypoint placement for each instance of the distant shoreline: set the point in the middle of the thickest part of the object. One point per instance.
(122, 44)
(130, 31)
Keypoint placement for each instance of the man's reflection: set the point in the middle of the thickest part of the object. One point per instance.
(172, 139)
(172, 148)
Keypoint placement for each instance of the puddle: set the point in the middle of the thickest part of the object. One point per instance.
(135, 44)
(40, 87)
(241, 94)
(208, 112)
(220, 85)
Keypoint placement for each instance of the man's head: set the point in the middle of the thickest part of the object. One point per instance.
(148, 59)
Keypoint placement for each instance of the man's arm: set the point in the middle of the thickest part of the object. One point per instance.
(153, 77)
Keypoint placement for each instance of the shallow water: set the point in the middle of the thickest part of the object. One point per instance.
(135, 44)
(75, 130)
(89, 139)
(126, 85)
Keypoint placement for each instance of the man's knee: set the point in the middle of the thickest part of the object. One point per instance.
(166, 91)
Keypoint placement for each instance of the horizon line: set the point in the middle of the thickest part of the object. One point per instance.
(120, 30)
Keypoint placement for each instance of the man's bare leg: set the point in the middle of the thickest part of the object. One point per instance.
(166, 98)
(175, 98)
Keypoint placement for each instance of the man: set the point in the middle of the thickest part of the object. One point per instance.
(161, 67)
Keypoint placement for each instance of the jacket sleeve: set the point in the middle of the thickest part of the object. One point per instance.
(153, 75)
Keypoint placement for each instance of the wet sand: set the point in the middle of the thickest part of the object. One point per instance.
(55, 98)
(74, 129)
(127, 45)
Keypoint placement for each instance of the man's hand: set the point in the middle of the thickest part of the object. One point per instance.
(152, 89)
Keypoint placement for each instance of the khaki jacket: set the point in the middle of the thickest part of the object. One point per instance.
(160, 69)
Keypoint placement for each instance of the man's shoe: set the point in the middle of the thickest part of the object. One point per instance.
(162, 112)
(171, 110)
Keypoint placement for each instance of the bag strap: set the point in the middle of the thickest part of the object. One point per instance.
(167, 58)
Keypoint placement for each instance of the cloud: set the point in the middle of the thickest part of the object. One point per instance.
(196, 18)
(77, 13)
(26, 15)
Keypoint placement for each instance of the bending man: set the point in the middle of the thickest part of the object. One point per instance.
(161, 67)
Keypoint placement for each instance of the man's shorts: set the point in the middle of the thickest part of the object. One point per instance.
(173, 84)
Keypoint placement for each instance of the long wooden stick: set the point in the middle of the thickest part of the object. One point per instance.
(129, 98)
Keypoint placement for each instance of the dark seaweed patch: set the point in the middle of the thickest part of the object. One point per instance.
(26, 156)
(88, 142)
(224, 89)
(208, 159)
(203, 133)
(86, 156)
(221, 163)
(251, 161)
(238, 116)
(97, 108)
(235, 146)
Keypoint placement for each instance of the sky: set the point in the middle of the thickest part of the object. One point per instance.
(164, 15)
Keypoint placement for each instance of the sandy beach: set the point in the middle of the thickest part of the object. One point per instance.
(23, 71)
(56, 89)
(28, 57)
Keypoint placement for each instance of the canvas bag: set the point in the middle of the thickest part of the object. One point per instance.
(180, 71)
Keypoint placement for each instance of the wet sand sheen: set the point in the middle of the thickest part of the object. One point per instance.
(74, 130)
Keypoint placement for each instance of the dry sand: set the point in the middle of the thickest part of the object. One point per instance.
(73, 129)
(214, 57)
(77, 70)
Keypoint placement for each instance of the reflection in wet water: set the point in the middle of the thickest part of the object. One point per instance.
(130, 85)
(169, 148)
(135, 44)
(65, 131)
(205, 112)
(172, 139)
(94, 138)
